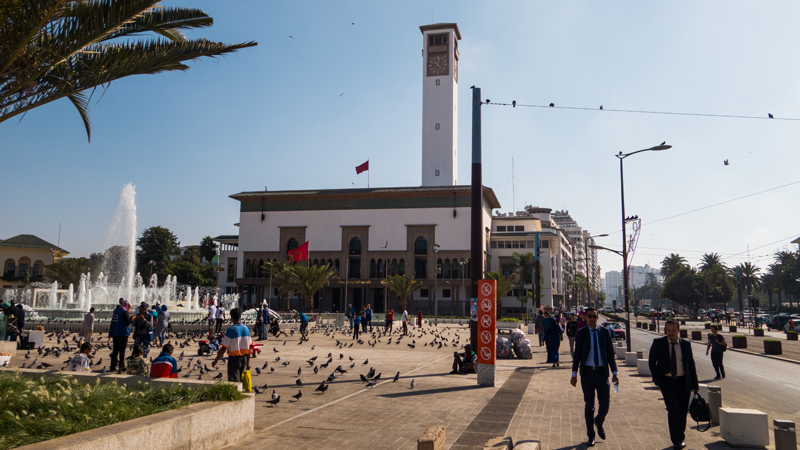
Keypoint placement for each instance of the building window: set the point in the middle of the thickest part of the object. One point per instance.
(437, 172)
(448, 271)
(336, 266)
(421, 246)
(355, 268)
(291, 245)
(514, 244)
(261, 273)
(35, 271)
(423, 293)
(22, 269)
(393, 269)
(437, 127)
(516, 293)
(446, 293)
(544, 244)
(420, 268)
(501, 228)
(494, 244)
(437, 81)
(437, 39)
(247, 268)
(355, 246)
(381, 269)
(231, 270)
(519, 227)
(402, 267)
(372, 268)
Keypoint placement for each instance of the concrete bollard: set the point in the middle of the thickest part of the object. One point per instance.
(640, 355)
(433, 439)
(631, 358)
(702, 390)
(715, 403)
(785, 438)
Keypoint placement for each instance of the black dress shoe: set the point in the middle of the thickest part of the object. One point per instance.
(590, 443)
(600, 431)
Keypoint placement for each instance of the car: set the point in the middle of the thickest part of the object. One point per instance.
(619, 330)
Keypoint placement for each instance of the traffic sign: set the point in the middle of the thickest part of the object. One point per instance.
(486, 322)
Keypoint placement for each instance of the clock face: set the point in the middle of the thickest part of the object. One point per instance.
(438, 64)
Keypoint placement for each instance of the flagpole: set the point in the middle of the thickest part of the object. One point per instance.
(367, 173)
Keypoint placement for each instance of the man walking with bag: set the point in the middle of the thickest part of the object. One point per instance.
(672, 365)
(594, 359)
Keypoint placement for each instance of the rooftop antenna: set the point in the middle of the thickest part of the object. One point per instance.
(513, 197)
(59, 236)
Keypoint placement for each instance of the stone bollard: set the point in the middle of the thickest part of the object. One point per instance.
(640, 355)
(433, 439)
(715, 403)
(785, 438)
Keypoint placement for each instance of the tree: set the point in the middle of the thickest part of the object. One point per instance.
(309, 280)
(112, 262)
(52, 49)
(767, 285)
(748, 276)
(403, 286)
(281, 274)
(505, 283)
(191, 273)
(68, 271)
(710, 260)
(156, 244)
(681, 287)
(523, 265)
(208, 249)
(671, 264)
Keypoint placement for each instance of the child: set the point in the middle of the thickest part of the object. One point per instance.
(138, 365)
(80, 362)
(165, 365)
(356, 326)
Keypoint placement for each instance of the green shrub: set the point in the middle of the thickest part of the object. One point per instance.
(771, 340)
(739, 336)
(761, 329)
(791, 332)
(509, 319)
(36, 410)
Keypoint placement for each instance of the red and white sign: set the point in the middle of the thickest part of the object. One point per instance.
(486, 322)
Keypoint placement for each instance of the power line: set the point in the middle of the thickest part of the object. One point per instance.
(635, 111)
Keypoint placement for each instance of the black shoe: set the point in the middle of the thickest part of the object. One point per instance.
(600, 431)
(453, 372)
(590, 443)
(717, 378)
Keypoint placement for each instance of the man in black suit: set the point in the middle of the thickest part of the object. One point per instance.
(672, 366)
(594, 356)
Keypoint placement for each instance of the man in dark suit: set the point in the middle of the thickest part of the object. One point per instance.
(594, 356)
(672, 366)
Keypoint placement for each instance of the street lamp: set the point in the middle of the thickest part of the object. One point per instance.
(435, 286)
(621, 156)
(463, 263)
(586, 248)
(152, 266)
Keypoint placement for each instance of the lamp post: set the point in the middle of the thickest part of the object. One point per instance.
(586, 248)
(435, 285)
(152, 266)
(463, 263)
(621, 156)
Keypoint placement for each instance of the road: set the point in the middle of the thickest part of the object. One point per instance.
(751, 381)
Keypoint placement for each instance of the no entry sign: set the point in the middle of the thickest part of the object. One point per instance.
(487, 327)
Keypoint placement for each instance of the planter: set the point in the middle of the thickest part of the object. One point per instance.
(652, 327)
(732, 328)
(791, 336)
(772, 347)
(684, 334)
(758, 332)
(740, 341)
(697, 335)
(638, 324)
(683, 322)
(708, 325)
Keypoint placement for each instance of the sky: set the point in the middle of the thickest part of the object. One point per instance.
(301, 113)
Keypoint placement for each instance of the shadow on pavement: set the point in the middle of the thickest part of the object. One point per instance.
(412, 392)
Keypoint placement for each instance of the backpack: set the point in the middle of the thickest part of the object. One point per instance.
(700, 411)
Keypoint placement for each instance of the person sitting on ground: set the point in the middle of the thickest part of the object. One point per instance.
(138, 365)
(165, 365)
(80, 362)
(464, 362)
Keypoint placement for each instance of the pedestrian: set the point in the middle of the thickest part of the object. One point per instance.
(389, 321)
(419, 319)
(212, 317)
(88, 326)
(21, 317)
(405, 322)
(118, 331)
(165, 365)
(581, 320)
(553, 338)
(162, 325)
(12, 319)
(673, 370)
(572, 329)
(540, 327)
(717, 345)
(594, 359)
(80, 362)
(303, 326)
(138, 365)
(265, 319)
(142, 327)
(350, 313)
(220, 317)
(368, 316)
(364, 320)
(356, 326)
(237, 343)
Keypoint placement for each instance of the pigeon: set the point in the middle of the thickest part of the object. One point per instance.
(371, 373)
(258, 371)
(513, 103)
(274, 394)
(285, 363)
(331, 377)
(487, 101)
(725, 162)
(341, 356)
(413, 384)
(278, 358)
(298, 395)
(290, 37)
(412, 345)
(299, 382)
(274, 402)
(219, 375)
(664, 143)
(258, 391)
(371, 384)
(365, 362)
(299, 371)
(770, 115)
(352, 365)
(103, 370)
(321, 388)
(316, 369)
(99, 361)
(552, 105)
(313, 359)
(275, 350)
(396, 377)
(377, 377)
(272, 369)
(364, 379)
(265, 365)
(601, 106)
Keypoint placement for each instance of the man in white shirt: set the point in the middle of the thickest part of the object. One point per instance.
(220, 316)
(405, 322)
(212, 317)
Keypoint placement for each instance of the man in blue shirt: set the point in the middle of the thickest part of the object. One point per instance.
(368, 316)
(265, 317)
(303, 326)
(594, 356)
(118, 332)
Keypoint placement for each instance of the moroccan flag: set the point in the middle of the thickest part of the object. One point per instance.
(299, 254)
(362, 168)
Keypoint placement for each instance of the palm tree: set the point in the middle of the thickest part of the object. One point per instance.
(403, 286)
(281, 274)
(51, 49)
(709, 260)
(748, 276)
(68, 271)
(505, 283)
(672, 264)
(208, 249)
(309, 280)
(767, 285)
(787, 275)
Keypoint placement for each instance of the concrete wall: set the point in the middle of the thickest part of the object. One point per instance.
(126, 380)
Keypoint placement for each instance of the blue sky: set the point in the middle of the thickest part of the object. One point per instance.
(273, 116)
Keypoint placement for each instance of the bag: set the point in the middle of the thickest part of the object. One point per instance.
(700, 411)
(247, 382)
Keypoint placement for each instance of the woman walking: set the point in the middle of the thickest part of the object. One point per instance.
(552, 336)
(419, 319)
(162, 325)
(717, 345)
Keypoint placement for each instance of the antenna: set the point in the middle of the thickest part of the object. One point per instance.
(513, 197)
(59, 236)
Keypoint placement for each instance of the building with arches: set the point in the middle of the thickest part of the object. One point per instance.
(24, 258)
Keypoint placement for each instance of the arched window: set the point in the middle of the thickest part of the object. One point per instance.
(439, 267)
(291, 245)
(381, 269)
(421, 246)
(355, 246)
(316, 262)
(372, 268)
(448, 272)
(330, 264)
(336, 265)
(393, 269)
(247, 266)
(261, 273)
(402, 267)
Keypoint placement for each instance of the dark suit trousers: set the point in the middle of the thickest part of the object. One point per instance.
(120, 343)
(591, 381)
(676, 397)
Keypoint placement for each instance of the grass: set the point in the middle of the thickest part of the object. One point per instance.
(36, 410)
(509, 319)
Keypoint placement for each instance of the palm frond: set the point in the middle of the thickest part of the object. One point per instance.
(81, 103)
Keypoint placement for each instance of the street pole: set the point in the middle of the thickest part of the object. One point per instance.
(463, 263)
(476, 212)
(586, 261)
(435, 285)
(625, 262)
(537, 287)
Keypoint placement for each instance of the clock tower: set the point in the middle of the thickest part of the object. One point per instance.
(440, 104)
